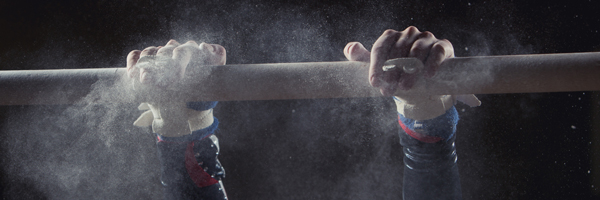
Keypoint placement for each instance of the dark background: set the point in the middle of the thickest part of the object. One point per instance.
(515, 146)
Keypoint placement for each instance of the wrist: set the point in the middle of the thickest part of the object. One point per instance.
(424, 108)
(194, 135)
(440, 128)
(180, 121)
(199, 119)
(177, 119)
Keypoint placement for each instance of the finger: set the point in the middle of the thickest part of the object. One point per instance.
(221, 55)
(422, 46)
(401, 48)
(406, 81)
(167, 50)
(391, 83)
(355, 51)
(182, 55)
(132, 59)
(418, 44)
(172, 42)
(379, 54)
(404, 43)
(441, 50)
(149, 51)
(211, 54)
(146, 75)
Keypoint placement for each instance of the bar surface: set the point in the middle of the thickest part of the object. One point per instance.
(343, 79)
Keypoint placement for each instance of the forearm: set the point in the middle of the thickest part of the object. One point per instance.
(430, 170)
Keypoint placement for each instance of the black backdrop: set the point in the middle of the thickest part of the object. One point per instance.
(515, 146)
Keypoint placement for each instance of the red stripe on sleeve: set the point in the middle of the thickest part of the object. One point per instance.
(198, 175)
(419, 136)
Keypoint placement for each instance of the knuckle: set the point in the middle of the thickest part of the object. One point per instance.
(179, 49)
(192, 42)
(426, 34)
(438, 48)
(134, 55)
(445, 43)
(411, 29)
(419, 45)
(172, 41)
(443, 46)
(149, 49)
(389, 33)
(165, 49)
(182, 49)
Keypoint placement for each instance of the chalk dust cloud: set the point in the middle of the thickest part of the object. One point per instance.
(292, 149)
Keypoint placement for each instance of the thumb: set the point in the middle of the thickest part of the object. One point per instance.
(355, 51)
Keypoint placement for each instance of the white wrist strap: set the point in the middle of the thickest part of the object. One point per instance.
(429, 107)
(173, 120)
(424, 108)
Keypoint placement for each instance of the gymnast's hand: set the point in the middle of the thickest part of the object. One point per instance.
(408, 43)
(164, 65)
(397, 44)
(159, 68)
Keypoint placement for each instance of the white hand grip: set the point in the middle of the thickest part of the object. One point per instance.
(408, 65)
